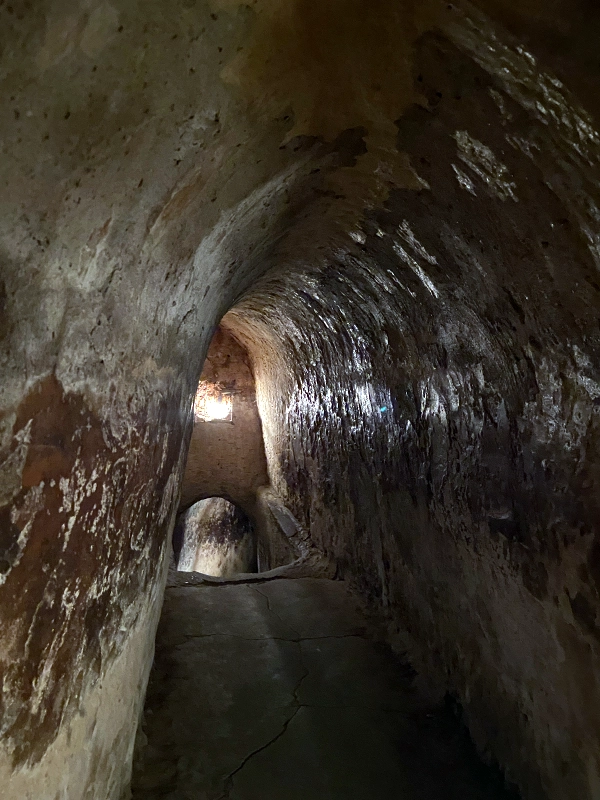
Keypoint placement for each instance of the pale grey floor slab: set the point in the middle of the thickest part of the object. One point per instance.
(275, 691)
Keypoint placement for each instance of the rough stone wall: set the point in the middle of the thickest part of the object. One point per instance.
(430, 397)
(114, 269)
(227, 458)
(83, 525)
(218, 539)
(130, 220)
(157, 159)
(275, 543)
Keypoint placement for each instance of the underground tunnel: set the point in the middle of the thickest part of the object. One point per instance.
(331, 269)
(216, 538)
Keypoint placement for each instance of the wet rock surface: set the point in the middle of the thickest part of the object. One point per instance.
(402, 206)
(279, 691)
(442, 370)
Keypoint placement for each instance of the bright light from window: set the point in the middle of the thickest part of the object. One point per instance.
(212, 402)
(218, 408)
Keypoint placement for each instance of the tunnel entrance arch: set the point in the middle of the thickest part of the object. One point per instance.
(216, 537)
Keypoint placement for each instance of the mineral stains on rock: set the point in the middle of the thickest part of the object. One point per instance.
(82, 542)
(399, 209)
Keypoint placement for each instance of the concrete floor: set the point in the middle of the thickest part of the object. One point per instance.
(275, 691)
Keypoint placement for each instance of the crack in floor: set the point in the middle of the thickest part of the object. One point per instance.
(275, 614)
(230, 778)
(303, 677)
(295, 705)
(361, 729)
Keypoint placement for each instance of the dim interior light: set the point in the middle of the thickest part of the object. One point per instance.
(213, 403)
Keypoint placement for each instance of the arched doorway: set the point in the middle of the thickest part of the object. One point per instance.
(215, 537)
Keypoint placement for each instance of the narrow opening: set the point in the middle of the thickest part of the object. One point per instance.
(231, 519)
(227, 455)
(215, 537)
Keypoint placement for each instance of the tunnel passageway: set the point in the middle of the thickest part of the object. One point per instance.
(214, 537)
(280, 691)
(369, 234)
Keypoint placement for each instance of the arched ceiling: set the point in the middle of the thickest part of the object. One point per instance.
(415, 189)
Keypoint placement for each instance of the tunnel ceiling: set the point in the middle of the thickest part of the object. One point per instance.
(191, 137)
(198, 137)
(402, 208)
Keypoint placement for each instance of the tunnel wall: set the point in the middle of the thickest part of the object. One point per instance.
(128, 218)
(84, 524)
(155, 162)
(273, 545)
(430, 399)
(227, 458)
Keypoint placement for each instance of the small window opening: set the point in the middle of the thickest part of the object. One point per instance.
(213, 402)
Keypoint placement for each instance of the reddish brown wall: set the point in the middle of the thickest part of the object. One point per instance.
(157, 160)
(227, 459)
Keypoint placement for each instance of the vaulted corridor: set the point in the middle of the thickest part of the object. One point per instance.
(299, 290)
